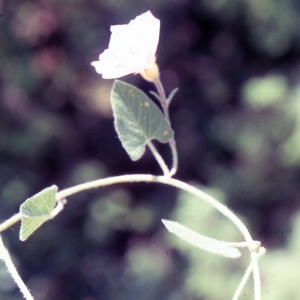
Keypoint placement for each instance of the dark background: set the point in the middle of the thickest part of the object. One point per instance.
(236, 118)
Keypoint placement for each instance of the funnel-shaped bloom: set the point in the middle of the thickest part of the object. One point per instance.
(131, 48)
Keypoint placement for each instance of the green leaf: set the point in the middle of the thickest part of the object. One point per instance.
(201, 241)
(37, 210)
(138, 120)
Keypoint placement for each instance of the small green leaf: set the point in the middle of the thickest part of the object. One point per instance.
(37, 210)
(138, 120)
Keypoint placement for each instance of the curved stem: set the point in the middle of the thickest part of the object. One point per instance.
(165, 180)
(159, 159)
(146, 178)
(172, 144)
(13, 271)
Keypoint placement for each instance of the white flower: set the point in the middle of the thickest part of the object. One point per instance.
(131, 48)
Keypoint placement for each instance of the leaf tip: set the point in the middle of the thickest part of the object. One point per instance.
(22, 239)
(167, 223)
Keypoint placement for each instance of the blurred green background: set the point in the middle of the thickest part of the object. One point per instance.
(237, 123)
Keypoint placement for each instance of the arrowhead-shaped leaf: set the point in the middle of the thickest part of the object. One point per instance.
(138, 120)
(201, 241)
(37, 210)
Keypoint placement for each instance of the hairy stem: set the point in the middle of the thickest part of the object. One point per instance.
(172, 144)
(165, 180)
(11, 221)
(4, 254)
(159, 159)
(256, 275)
(243, 282)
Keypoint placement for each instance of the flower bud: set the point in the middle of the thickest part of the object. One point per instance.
(150, 74)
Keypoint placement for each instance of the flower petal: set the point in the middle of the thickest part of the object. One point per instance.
(131, 48)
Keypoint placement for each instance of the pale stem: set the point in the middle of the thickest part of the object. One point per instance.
(165, 180)
(243, 282)
(165, 106)
(158, 158)
(11, 221)
(58, 208)
(253, 267)
(13, 271)
(173, 148)
(256, 276)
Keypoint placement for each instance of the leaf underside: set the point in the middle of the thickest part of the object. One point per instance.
(138, 120)
(201, 241)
